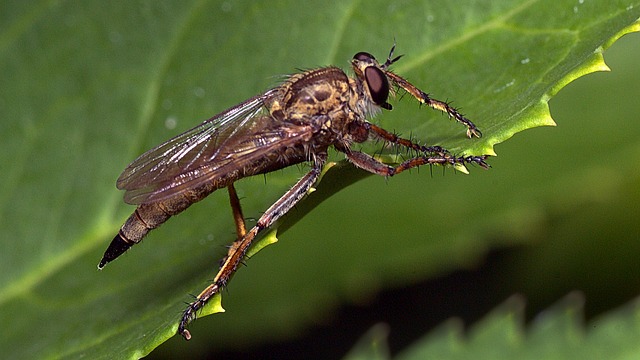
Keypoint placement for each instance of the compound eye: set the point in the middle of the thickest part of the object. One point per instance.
(363, 56)
(378, 85)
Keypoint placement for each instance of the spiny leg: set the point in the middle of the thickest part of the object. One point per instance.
(424, 98)
(370, 164)
(214, 288)
(438, 156)
(395, 139)
(472, 130)
(239, 248)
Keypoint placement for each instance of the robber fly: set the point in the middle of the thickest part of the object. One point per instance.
(293, 123)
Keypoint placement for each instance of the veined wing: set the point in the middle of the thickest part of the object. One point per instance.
(154, 174)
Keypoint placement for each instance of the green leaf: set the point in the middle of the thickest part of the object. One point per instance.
(88, 86)
(557, 333)
(372, 346)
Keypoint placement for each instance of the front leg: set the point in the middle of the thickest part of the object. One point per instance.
(424, 98)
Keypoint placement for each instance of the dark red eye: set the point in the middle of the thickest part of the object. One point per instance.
(363, 56)
(378, 85)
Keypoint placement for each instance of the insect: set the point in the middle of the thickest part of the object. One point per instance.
(295, 122)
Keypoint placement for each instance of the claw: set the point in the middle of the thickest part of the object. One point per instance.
(471, 132)
(478, 160)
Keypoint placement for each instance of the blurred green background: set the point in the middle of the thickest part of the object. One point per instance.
(88, 86)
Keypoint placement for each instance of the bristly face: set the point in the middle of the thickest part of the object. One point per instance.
(373, 78)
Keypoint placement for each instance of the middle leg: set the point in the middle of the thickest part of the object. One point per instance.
(370, 164)
(395, 139)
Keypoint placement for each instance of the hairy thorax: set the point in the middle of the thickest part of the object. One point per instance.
(319, 98)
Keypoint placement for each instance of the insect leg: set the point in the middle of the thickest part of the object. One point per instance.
(370, 164)
(240, 247)
(395, 139)
(238, 218)
(424, 98)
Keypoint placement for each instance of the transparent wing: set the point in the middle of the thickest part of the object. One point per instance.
(158, 173)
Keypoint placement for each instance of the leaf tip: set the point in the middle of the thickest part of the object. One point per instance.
(461, 168)
(214, 306)
(268, 239)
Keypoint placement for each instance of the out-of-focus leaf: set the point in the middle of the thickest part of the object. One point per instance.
(557, 333)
